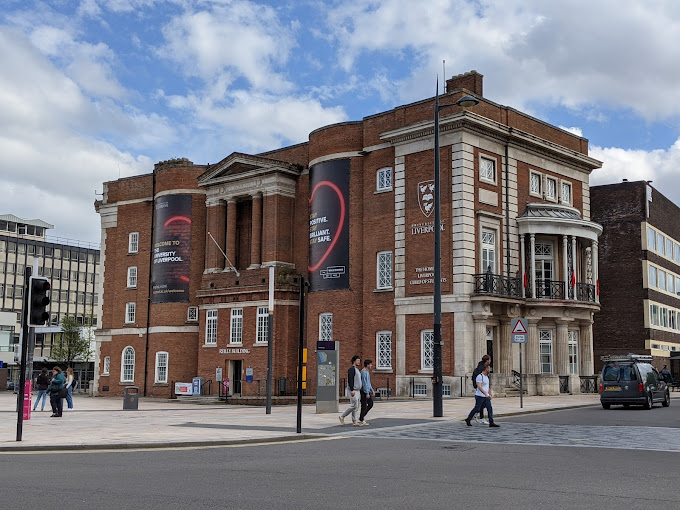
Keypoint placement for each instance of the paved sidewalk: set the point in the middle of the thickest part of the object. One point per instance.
(101, 422)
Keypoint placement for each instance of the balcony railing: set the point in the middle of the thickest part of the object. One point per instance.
(585, 292)
(549, 289)
(487, 283)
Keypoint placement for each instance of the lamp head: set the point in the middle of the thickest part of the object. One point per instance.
(467, 101)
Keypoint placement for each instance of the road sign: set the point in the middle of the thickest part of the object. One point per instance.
(519, 332)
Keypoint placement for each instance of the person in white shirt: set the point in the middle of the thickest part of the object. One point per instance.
(482, 398)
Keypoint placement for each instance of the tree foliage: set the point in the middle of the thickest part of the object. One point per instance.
(72, 344)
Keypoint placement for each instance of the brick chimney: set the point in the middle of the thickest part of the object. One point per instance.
(471, 81)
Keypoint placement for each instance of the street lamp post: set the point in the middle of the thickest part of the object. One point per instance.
(438, 410)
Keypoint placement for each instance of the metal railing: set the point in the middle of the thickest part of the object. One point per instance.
(549, 289)
(585, 292)
(588, 383)
(487, 283)
(564, 383)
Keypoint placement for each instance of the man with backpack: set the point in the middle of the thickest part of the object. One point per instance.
(482, 398)
(486, 361)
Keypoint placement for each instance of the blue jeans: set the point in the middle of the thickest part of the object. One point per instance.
(41, 394)
(69, 398)
(480, 403)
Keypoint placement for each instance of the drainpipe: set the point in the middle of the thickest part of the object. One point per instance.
(148, 299)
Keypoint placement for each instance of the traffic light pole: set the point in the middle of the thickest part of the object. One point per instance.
(24, 354)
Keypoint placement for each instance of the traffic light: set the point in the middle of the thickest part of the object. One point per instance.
(38, 300)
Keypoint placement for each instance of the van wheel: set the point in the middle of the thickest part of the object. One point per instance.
(666, 399)
(606, 406)
(648, 402)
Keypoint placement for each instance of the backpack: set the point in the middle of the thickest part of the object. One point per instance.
(475, 373)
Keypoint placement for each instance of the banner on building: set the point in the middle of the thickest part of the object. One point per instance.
(329, 225)
(171, 250)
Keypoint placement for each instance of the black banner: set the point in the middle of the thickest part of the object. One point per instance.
(329, 225)
(171, 250)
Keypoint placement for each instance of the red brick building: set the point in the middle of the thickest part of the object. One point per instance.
(351, 210)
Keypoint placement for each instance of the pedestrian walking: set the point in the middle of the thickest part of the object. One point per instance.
(482, 398)
(486, 362)
(56, 392)
(69, 388)
(666, 375)
(366, 391)
(353, 390)
(42, 383)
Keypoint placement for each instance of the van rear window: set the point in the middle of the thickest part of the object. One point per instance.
(619, 373)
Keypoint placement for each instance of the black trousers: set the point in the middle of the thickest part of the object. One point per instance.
(366, 405)
(57, 404)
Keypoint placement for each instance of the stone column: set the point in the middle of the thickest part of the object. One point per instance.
(532, 238)
(573, 263)
(480, 337)
(562, 348)
(533, 365)
(565, 259)
(524, 265)
(585, 347)
(230, 249)
(256, 239)
(215, 210)
(593, 261)
(505, 345)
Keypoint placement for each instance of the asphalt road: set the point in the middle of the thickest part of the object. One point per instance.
(430, 465)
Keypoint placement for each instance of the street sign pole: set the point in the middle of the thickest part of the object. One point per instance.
(521, 388)
(519, 334)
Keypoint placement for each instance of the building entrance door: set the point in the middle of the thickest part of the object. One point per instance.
(235, 371)
(489, 344)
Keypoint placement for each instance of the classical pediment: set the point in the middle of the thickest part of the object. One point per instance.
(238, 166)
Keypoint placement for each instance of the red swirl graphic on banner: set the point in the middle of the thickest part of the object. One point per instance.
(340, 223)
(177, 218)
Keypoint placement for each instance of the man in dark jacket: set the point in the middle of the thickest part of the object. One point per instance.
(486, 361)
(42, 384)
(353, 390)
(57, 383)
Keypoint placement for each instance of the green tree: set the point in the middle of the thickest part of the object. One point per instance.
(72, 344)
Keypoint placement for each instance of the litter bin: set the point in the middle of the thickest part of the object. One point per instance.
(131, 398)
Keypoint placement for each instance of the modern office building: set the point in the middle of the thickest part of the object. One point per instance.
(72, 269)
(186, 252)
(640, 268)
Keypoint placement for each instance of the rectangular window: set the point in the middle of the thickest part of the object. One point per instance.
(663, 317)
(211, 327)
(129, 313)
(488, 251)
(545, 342)
(383, 350)
(384, 178)
(672, 314)
(566, 193)
(535, 184)
(133, 242)
(487, 170)
(670, 284)
(132, 277)
(651, 239)
(573, 352)
(326, 327)
(262, 324)
(654, 314)
(669, 248)
(161, 367)
(551, 189)
(419, 390)
(427, 349)
(652, 276)
(660, 243)
(385, 270)
(677, 286)
(192, 314)
(236, 326)
(676, 253)
(107, 365)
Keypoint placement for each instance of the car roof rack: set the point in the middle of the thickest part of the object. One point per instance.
(627, 357)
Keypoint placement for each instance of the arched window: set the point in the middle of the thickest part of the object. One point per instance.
(127, 371)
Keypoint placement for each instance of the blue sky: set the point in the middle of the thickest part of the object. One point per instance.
(92, 90)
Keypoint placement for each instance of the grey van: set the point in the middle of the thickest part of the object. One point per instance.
(631, 379)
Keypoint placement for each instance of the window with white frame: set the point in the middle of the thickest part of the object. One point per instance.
(133, 242)
(192, 314)
(419, 390)
(487, 170)
(545, 342)
(385, 270)
(211, 327)
(427, 349)
(535, 184)
(652, 276)
(107, 365)
(383, 341)
(161, 367)
(132, 277)
(326, 327)
(651, 239)
(130, 309)
(236, 326)
(669, 248)
(488, 251)
(660, 243)
(566, 192)
(663, 317)
(384, 179)
(654, 314)
(573, 352)
(127, 369)
(661, 279)
(676, 253)
(670, 284)
(262, 324)
(550, 188)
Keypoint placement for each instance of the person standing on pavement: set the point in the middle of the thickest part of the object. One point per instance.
(486, 362)
(57, 384)
(366, 391)
(69, 387)
(666, 375)
(482, 398)
(42, 384)
(353, 390)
